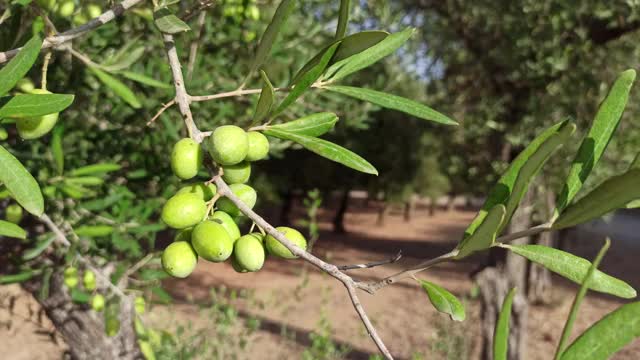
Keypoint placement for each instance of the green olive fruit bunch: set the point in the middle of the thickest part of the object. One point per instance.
(71, 277)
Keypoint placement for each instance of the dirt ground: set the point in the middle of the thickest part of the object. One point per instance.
(290, 300)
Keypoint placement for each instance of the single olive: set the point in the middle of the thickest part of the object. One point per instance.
(242, 191)
(111, 326)
(139, 305)
(183, 210)
(186, 158)
(206, 192)
(211, 241)
(25, 85)
(249, 252)
(66, 8)
(70, 277)
(227, 223)
(252, 12)
(277, 249)
(34, 127)
(97, 302)
(258, 146)
(237, 174)
(89, 280)
(179, 259)
(139, 328)
(4, 135)
(93, 11)
(183, 235)
(228, 145)
(147, 350)
(13, 213)
(236, 266)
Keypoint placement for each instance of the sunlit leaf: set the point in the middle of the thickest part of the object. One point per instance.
(312, 125)
(12, 230)
(118, 87)
(17, 278)
(94, 230)
(168, 23)
(18, 67)
(444, 301)
(265, 102)
(95, 169)
(501, 334)
(271, 33)
(22, 186)
(29, 105)
(485, 234)
(144, 79)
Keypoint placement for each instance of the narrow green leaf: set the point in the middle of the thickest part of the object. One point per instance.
(94, 230)
(616, 192)
(343, 18)
(12, 230)
(349, 46)
(40, 247)
(444, 301)
(312, 125)
(85, 180)
(118, 87)
(144, 79)
(56, 148)
(566, 332)
(633, 204)
(168, 23)
(17, 278)
(161, 295)
(271, 33)
(608, 336)
(307, 79)
(18, 67)
(501, 334)
(514, 182)
(573, 268)
(28, 105)
(265, 102)
(125, 60)
(327, 149)
(393, 102)
(79, 296)
(595, 142)
(95, 169)
(485, 235)
(367, 57)
(23, 187)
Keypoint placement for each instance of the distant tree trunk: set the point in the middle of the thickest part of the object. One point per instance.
(495, 283)
(451, 202)
(338, 221)
(409, 207)
(82, 328)
(432, 206)
(540, 285)
(287, 206)
(382, 213)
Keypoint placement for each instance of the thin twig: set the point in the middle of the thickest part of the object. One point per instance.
(391, 260)
(193, 51)
(164, 107)
(45, 69)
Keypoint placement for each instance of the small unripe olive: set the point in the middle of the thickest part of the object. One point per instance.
(37, 126)
(200, 189)
(211, 241)
(258, 146)
(66, 8)
(4, 135)
(186, 158)
(237, 267)
(94, 10)
(228, 145)
(276, 248)
(237, 174)
(147, 350)
(184, 235)
(249, 252)
(227, 223)
(89, 280)
(111, 326)
(25, 85)
(13, 213)
(70, 276)
(179, 259)
(155, 338)
(79, 19)
(139, 305)
(97, 302)
(252, 12)
(183, 210)
(242, 191)
(139, 328)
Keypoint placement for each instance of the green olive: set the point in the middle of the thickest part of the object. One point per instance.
(93, 10)
(66, 8)
(89, 280)
(183, 210)
(242, 191)
(79, 19)
(237, 267)
(25, 85)
(211, 241)
(4, 135)
(70, 276)
(111, 326)
(227, 223)
(228, 145)
(34, 127)
(200, 189)
(47, 4)
(186, 158)
(252, 12)
(184, 235)
(249, 252)
(258, 146)
(97, 302)
(147, 350)
(139, 305)
(139, 328)
(277, 249)
(13, 213)
(179, 259)
(237, 174)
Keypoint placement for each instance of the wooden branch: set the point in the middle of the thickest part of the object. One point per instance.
(391, 260)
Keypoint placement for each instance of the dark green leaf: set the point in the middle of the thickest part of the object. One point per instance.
(343, 18)
(444, 301)
(393, 102)
(307, 79)
(573, 268)
(144, 79)
(23, 187)
(85, 180)
(484, 237)
(79, 296)
(95, 169)
(94, 230)
(16, 278)
(614, 193)
(327, 149)
(606, 337)
(118, 87)
(312, 125)
(125, 62)
(18, 67)
(595, 142)
(40, 247)
(161, 295)
(271, 33)
(56, 148)
(501, 335)
(267, 96)
(28, 105)
(168, 23)
(12, 230)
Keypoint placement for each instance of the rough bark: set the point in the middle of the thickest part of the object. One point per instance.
(432, 206)
(382, 213)
(83, 329)
(409, 207)
(338, 220)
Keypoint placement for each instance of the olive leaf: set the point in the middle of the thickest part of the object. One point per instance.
(444, 301)
(144, 79)
(485, 235)
(17, 278)
(56, 148)
(95, 169)
(343, 18)
(18, 67)
(595, 142)
(501, 334)
(168, 23)
(94, 230)
(12, 230)
(312, 125)
(30, 105)
(38, 249)
(265, 102)
(22, 186)
(573, 268)
(271, 33)
(117, 86)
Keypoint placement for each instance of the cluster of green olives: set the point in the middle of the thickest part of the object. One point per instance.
(207, 226)
(67, 9)
(71, 280)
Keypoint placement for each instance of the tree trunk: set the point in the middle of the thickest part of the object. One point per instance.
(409, 207)
(338, 221)
(382, 214)
(432, 206)
(540, 285)
(451, 202)
(82, 328)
